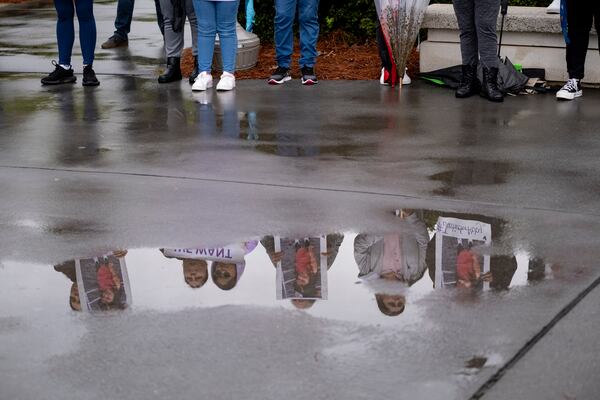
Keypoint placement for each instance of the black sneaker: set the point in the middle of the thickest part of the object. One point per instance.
(571, 90)
(115, 41)
(308, 76)
(59, 75)
(281, 75)
(89, 77)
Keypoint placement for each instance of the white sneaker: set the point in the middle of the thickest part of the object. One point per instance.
(554, 7)
(203, 81)
(571, 90)
(227, 82)
(384, 77)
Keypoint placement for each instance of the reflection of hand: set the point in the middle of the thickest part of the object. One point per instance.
(276, 257)
(487, 277)
(120, 253)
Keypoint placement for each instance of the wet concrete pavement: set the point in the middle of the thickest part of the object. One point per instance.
(137, 166)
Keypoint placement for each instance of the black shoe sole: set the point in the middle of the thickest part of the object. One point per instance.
(96, 83)
(498, 100)
(72, 79)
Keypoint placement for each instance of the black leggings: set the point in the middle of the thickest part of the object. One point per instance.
(580, 17)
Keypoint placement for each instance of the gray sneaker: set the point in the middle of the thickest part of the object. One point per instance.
(115, 41)
(308, 76)
(281, 75)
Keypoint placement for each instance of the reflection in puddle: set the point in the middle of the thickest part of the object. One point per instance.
(390, 271)
(431, 305)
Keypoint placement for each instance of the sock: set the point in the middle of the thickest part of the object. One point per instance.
(67, 67)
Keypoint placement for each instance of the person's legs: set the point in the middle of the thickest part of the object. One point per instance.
(206, 18)
(191, 16)
(285, 10)
(384, 55)
(173, 40)
(465, 15)
(65, 35)
(173, 45)
(308, 13)
(65, 30)
(207, 30)
(579, 21)
(486, 18)
(226, 18)
(123, 18)
(87, 29)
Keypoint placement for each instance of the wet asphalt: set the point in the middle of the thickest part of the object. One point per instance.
(140, 166)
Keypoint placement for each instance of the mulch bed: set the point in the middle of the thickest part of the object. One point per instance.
(337, 60)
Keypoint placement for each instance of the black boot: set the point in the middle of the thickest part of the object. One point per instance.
(489, 86)
(173, 72)
(195, 71)
(469, 84)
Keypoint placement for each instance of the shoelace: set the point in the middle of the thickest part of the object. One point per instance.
(571, 85)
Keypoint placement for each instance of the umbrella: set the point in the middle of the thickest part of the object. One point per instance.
(400, 22)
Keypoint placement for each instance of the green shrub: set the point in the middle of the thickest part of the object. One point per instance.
(356, 18)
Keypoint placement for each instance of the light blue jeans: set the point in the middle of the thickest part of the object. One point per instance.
(216, 17)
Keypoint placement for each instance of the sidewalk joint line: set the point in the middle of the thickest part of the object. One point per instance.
(483, 389)
(300, 187)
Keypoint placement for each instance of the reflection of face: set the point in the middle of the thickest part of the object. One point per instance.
(391, 305)
(108, 296)
(303, 304)
(302, 279)
(74, 301)
(195, 272)
(224, 275)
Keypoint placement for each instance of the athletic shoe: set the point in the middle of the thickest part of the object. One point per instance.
(554, 7)
(203, 81)
(59, 75)
(115, 41)
(281, 75)
(571, 90)
(89, 77)
(308, 76)
(227, 82)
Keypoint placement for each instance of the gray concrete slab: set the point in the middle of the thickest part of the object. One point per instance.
(140, 166)
(563, 364)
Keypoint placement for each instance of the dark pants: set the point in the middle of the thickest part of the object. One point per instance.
(580, 16)
(65, 29)
(125, 15)
(477, 22)
(384, 54)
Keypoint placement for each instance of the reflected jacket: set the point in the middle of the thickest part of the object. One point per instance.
(368, 252)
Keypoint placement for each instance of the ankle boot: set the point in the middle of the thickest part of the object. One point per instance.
(173, 72)
(469, 84)
(195, 71)
(489, 86)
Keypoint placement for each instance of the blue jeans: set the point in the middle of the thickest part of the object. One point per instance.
(285, 11)
(216, 17)
(65, 29)
(125, 14)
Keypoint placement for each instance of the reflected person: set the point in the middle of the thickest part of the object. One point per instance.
(393, 258)
(68, 269)
(304, 260)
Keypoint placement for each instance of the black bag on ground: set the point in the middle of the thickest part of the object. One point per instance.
(509, 79)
